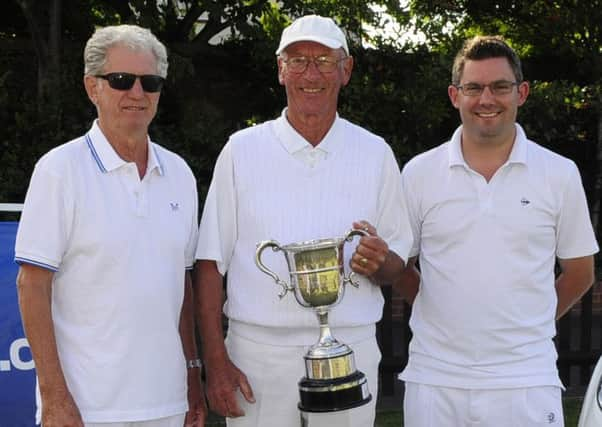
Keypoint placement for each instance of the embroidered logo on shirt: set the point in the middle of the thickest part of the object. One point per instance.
(174, 206)
(524, 201)
(551, 417)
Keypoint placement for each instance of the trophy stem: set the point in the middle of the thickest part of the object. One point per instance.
(326, 339)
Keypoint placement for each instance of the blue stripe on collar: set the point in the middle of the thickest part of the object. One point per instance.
(95, 154)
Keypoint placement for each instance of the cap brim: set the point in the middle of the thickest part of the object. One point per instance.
(331, 43)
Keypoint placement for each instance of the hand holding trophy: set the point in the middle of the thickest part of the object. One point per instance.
(317, 278)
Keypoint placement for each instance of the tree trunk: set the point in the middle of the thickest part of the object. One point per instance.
(46, 38)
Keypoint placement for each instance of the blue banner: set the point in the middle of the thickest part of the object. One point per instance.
(17, 375)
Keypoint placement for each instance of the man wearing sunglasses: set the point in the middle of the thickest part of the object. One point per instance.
(492, 212)
(306, 175)
(106, 236)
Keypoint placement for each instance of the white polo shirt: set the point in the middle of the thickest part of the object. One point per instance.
(119, 247)
(269, 183)
(484, 314)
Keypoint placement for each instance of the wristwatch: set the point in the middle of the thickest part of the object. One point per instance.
(194, 363)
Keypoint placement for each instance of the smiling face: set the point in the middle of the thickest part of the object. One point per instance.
(312, 95)
(126, 113)
(488, 118)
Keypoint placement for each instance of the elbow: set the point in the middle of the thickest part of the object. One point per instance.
(21, 283)
(407, 285)
(590, 277)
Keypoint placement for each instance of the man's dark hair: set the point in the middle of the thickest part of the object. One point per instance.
(485, 47)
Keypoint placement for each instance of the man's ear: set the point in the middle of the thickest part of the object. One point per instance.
(347, 68)
(280, 71)
(523, 92)
(91, 85)
(452, 92)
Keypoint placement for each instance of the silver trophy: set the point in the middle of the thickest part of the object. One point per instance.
(317, 278)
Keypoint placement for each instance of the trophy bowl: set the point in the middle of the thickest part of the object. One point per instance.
(317, 279)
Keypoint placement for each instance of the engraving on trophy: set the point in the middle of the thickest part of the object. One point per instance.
(318, 276)
(317, 279)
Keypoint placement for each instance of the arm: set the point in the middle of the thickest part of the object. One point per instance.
(408, 282)
(576, 278)
(197, 411)
(373, 258)
(34, 285)
(223, 377)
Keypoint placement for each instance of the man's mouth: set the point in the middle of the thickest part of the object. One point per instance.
(488, 115)
(311, 90)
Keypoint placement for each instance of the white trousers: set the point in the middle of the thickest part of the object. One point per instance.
(433, 406)
(173, 421)
(274, 371)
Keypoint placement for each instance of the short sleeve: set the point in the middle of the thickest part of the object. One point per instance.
(410, 193)
(392, 223)
(574, 234)
(46, 219)
(193, 235)
(218, 228)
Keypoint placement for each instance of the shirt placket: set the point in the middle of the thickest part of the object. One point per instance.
(137, 189)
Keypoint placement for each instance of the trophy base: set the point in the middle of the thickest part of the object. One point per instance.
(334, 394)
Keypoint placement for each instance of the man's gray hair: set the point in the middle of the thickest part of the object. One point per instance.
(131, 36)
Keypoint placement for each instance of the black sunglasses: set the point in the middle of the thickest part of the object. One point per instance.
(125, 81)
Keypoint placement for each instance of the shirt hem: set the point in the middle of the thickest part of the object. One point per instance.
(298, 336)
(131, 416)
(482, 383)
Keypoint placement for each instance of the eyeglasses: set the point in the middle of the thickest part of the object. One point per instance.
(324, 64)
(500, 87)
(125, 81)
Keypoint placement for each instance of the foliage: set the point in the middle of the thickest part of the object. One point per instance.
(562, 116)
(560, 43)
(416, 114)
(223, 75)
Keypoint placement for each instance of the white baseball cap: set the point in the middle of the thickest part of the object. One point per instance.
(313, 28)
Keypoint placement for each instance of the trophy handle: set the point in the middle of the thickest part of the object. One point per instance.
(275, 247)
(348, 238)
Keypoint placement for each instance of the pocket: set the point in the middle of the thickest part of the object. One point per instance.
(417, 405)
(542, 406)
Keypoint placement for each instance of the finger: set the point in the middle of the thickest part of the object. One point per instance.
(189, 420)
(218, 404)
(369, 252)
(199, 415)
(366, 226)
(360, 265)
(233, 409)
(373, 242)
(246, 390)
(374, 251)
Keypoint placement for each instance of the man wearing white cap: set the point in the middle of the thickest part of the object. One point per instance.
(308, 174)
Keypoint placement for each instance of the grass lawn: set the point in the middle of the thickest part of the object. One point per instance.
(572, 406)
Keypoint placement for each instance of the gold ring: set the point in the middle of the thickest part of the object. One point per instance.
(364, 261)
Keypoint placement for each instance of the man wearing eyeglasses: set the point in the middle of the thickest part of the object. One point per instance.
(306, 175)
(491, 213)
(108, 230)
